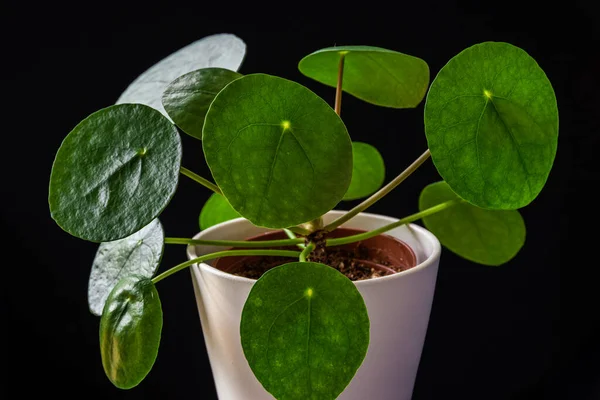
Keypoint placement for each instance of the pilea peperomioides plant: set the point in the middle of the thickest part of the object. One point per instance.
(281, 157)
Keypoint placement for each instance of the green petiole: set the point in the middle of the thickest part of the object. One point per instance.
(218, 254)
(203, 181)
(383, 229)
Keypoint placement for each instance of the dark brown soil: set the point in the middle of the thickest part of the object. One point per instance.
(358, 261)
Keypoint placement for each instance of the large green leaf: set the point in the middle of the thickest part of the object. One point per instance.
(305, 331)
(188, 97)
(278, 152)
(491, 122)
(130, 330)
(115, 172)
(216, 210)
(490, 237)
(378, 76)
(138, 254)
(222, 50)
(368, 171)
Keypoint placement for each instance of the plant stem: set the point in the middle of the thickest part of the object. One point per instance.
(291, 235)
(299, 230)
(177, 268)
(313, 226)
(383, 229)
(307, 251)
(235, 243)
(204, 182)
(379, 194)
(338, 89)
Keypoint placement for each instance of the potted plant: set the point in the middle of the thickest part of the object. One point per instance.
(298, 300)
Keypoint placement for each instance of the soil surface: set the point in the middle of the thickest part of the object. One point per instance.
(357, 261)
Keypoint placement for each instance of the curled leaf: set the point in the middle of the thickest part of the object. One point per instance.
(130, 330)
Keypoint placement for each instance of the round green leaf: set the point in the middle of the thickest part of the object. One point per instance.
(223, 50)
(216, 210)
(490, 237)
(279, 153)
(305, 331)
(368, 171)
(114, 173)
(187, 99)
(138, 254)
(130, 330)
(491, 122)
(378, 76)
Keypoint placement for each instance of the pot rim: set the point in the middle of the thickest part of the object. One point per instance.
(434, 242)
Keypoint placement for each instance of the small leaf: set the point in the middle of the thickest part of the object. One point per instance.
(491, 121)
(130, 330)
(216, 210)
(378, 76)
(188, 97)
(279, 153)
(490, 237)
(138, 254)
(222, 50)
(305, 331)
(115, 172)
(368, 171)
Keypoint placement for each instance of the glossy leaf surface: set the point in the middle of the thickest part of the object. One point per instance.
(115, 172)
(130, 330)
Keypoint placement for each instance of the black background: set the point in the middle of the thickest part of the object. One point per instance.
(495, 333)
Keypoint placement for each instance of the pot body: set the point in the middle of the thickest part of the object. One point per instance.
(398, 305)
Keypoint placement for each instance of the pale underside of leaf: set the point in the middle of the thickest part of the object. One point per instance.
(138, 254)
(220, 50)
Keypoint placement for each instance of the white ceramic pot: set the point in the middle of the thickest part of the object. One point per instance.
(398, 305)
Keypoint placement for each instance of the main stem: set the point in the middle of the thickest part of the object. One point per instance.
(338, 89)
(379, 194)
(403, 221)
(177, 268)
(204, 182)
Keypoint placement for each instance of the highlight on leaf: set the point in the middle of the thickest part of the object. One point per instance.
(130, 330)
